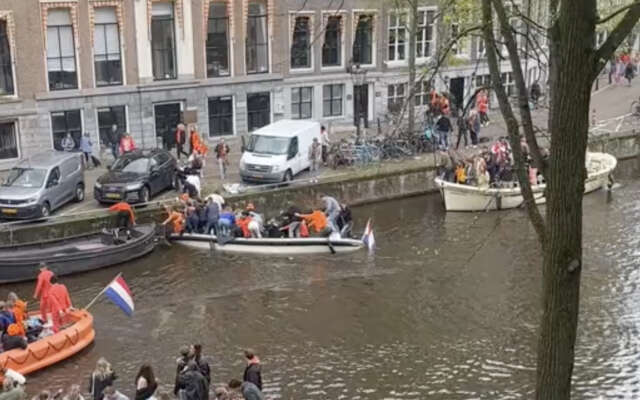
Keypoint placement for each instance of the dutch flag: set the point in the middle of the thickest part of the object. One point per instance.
(367, 236)
(119, 293)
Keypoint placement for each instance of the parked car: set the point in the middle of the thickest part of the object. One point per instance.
(38, 185)
(278, 152)
(136, 177)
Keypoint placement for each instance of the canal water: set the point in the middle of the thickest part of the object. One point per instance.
(446, 308)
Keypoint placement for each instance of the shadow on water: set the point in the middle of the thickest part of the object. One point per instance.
(447, 307)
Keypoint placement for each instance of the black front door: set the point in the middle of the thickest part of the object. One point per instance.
(168, 116)
(456, 88)
(361, 104)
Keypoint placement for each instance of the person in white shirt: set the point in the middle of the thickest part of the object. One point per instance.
(325, 142)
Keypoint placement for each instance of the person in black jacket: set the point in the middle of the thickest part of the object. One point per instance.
(12, 339)
(203, 365)
(101, 377)
(182, 362)
(191, 384)
(253, 371)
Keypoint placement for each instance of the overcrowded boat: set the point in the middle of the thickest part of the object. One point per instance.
(490, 191)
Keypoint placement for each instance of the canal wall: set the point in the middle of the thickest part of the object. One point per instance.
(355, 186)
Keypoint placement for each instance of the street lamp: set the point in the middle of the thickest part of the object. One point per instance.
(358, 77)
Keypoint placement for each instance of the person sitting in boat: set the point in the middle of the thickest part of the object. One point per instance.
(226, 222)
(317, 223)
(242, 225)
(101, 378)
(19, 309)
(193, 219)
(6, 316)
(59, 303)
(125, 218)
(256, 225)
(175, 218)
(460, 174)
(12, 339)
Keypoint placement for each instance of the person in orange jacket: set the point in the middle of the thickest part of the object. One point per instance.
(19, 309)
(59, 303)
(127, 144)
(316, 222)
(175, 218)
(42, 289)
(126, 216)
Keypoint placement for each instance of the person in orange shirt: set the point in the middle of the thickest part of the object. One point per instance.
(197, 145)
(243, 223)
(316, 222)
(42, 289)
(125, 216)
(175, 218)
(59, 303)
(19, 309)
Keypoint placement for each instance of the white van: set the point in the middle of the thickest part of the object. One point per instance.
(278, 152)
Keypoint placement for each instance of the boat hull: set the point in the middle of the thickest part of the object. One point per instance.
(269, 246)
(73, 255)
(52, 349)
(470, 198)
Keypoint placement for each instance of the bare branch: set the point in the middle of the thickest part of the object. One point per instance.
(618, 34)
(606, 19)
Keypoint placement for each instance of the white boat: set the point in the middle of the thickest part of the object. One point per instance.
(269, 246)
(459, 197)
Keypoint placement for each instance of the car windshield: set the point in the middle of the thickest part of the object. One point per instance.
(135, 165)
(26, 177)
(268, 144)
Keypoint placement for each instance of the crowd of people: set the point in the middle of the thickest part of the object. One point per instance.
(490, 167)
(193, 381)
(18, 329)
(623, 67)
(213, 216)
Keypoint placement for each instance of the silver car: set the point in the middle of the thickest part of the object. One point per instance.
(42, 183)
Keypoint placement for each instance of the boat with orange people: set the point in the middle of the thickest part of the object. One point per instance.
(77, 334)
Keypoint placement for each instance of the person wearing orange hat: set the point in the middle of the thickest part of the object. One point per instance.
(12, 339)
(42, 288)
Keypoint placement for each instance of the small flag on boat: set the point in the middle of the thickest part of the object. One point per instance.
(119, 293)
(367, 236)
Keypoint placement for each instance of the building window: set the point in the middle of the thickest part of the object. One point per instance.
(107, 118)
(258, 110)
(6, 67)
(300, 46)
(257, 45)
(8, 141)
(332, 46)
(163, 41)
(481, 51)
(425, 41)
(397, 36)
(423, 90)
(63, 123)
(61, 53)
(509, 83)
(106, 47)
(332, 96)
(301, 102)
(363, 43)
(221, 116)
(395, 97)
(218, 40)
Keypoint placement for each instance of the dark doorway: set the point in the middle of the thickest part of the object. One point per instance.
(168, 116)
(456, 88)
(361, 104)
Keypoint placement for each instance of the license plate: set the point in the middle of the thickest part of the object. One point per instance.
(113, 195)
(11, 211)
(258, 176)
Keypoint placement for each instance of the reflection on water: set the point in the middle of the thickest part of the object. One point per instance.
(446, 308)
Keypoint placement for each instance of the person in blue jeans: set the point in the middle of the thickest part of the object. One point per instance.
(443, 127)
(226, 222)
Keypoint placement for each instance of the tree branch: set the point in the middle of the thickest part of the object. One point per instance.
(512, 124)
(606, 19)
(618, 34)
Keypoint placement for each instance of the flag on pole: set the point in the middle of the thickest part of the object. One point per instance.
(119, 293)
(367, 236)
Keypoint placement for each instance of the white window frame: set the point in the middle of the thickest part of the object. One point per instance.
(374, 41)
(434, 41)
(508, 82)
(422, 91)
(343, 15)
(396, 61)
(233, 117)
(460, 49)
(97, 126)
(343, 100)
(76, 47)
(16, 131)
(395, 96)
(292, 17)
(299, 87)
(51, 112)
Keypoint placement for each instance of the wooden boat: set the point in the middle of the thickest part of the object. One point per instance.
(75, 254)
(459, 197)
(52, 349)
(269, 246)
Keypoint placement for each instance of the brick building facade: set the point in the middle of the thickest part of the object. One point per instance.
(73, 66)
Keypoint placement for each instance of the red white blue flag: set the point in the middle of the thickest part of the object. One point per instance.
(119, 293)
(367, 236)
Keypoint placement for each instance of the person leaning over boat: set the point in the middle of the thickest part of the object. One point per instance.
(125, 217)
(175, 218)
(212, 214)
(317, 223)
(226, 222)
(146, 384)
(101, 378)
(332, 211)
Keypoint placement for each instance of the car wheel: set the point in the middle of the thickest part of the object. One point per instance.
(45, 210)
(145, 195)
(288, 176)
(79, 192)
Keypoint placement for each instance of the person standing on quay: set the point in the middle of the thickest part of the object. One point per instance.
(101, 378)
(114, 140)
(222, 152)
(325, 142)
(146, 384)
(315, 158)
(181, 139)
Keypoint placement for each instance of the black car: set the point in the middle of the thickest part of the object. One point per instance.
(137, 176)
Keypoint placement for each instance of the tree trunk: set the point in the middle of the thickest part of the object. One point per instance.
(413, 27)
(571, 55)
